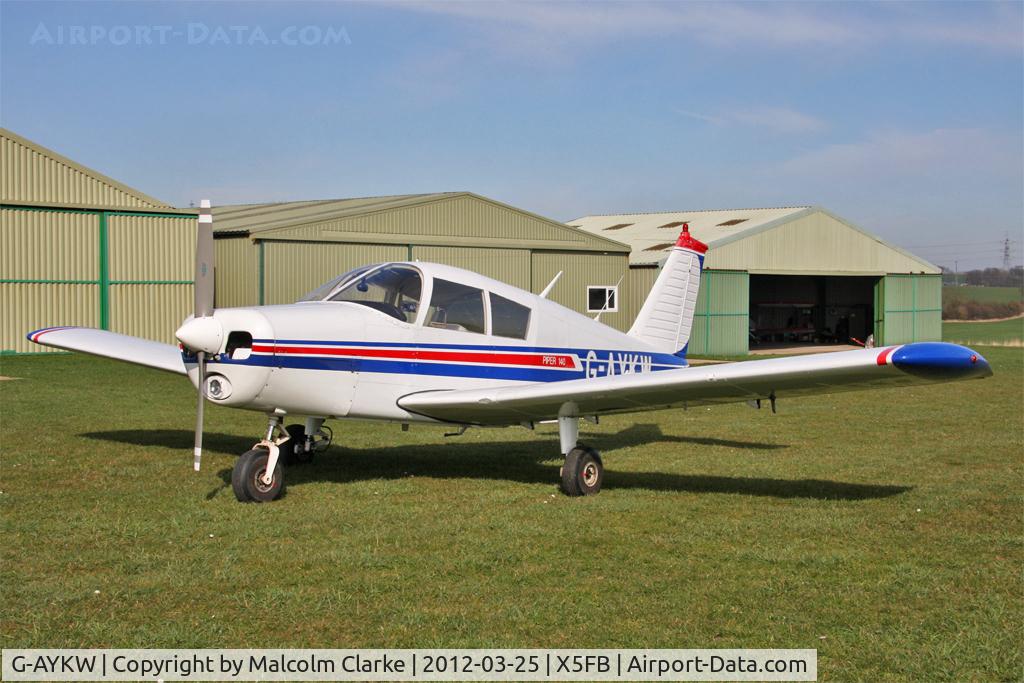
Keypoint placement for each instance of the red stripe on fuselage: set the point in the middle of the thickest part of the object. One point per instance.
(540, 360)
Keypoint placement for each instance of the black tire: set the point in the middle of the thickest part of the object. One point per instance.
(293, 451)
(582, 472)
(246, 478)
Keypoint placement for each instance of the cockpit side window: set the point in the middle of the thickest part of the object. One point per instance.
(454, 306)
(509, 319)
(393, 290)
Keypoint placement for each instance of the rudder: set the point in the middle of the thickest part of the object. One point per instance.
(665, 320)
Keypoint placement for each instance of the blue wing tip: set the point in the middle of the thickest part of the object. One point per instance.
(941, 360)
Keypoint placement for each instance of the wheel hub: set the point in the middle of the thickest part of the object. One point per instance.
(590, 474)
(259, 483)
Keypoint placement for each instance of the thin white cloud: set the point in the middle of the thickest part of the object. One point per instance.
(945, 151)
(523, 24)
(774, 119)
(780, 119)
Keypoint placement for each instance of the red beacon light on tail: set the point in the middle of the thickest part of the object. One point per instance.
(688, 241)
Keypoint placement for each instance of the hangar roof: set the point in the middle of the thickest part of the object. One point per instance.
(783, 239)
(442, 218)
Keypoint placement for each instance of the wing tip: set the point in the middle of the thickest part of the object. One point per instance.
(34, 335)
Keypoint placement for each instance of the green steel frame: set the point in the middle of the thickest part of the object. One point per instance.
(103, 237)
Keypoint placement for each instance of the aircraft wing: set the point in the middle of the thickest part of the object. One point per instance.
(919, 363)
(112, 345)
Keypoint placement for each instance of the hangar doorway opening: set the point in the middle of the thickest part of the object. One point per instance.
(803, 311)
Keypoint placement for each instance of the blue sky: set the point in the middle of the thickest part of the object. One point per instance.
(906, 119)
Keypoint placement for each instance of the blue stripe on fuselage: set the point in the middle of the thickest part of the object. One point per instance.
(599, 364)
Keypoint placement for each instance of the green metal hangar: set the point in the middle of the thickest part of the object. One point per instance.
(275, 253)
(79, 248)
(785, 276)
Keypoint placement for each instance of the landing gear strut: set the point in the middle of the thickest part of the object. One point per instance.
(258, 477)
(583, 471)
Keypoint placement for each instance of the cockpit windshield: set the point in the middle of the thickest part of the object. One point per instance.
(391, 289)
(324, 290)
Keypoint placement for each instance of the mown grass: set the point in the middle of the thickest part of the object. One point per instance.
(983, 294)
(1001, 332)
(882, 528)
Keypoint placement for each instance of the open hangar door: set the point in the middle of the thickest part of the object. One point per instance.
(811, 309)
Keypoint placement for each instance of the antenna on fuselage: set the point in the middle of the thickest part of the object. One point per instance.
(597, 318)
(551, 285)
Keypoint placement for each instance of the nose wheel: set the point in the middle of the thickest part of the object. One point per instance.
(249, 479)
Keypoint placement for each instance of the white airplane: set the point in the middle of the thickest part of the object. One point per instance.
(422, 342)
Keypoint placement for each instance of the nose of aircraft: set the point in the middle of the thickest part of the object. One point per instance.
(201, 334)
(938, 360)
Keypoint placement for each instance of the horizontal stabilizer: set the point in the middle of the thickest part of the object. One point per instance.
(121, 347)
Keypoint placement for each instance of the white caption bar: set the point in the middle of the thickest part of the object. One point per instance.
(410, 665)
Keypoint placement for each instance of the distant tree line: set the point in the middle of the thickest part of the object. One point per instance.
(960, 304)
(986, 277)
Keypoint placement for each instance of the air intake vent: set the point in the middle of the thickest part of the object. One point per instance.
(619, 226)
(734, 221)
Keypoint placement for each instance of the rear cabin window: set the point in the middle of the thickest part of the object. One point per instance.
(508, 319)
(456, 307)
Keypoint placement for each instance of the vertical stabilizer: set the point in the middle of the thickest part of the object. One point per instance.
(667, 315)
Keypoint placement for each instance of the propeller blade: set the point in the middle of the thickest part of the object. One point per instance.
(205, 260)
(198, 450)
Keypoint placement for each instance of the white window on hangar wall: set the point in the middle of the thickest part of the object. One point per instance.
(602, 298)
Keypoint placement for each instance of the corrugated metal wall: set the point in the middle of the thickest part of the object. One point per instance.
(151, 263)
(722, 322)
(28, 175)
(47, 245)
(237, 272)
(150, 311)
(292, 269)
(636, 287)
(151, 248)
(49, 273)
(912, 308)
(507, 265)
(28, 307)
(53, 271)
(581, 270)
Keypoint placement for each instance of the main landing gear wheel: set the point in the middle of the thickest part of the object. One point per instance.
(293, 451)
(247, 478)
(582, 472)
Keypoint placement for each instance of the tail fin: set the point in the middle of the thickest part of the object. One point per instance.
(665, 319)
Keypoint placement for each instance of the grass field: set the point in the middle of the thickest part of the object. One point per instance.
(882, 528)
(1002, 332)
(984, 294)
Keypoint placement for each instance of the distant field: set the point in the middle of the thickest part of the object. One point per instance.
(1001, 333)
(882, 528)
(983, 294)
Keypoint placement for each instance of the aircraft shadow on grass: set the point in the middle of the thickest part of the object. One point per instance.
(528, 462)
